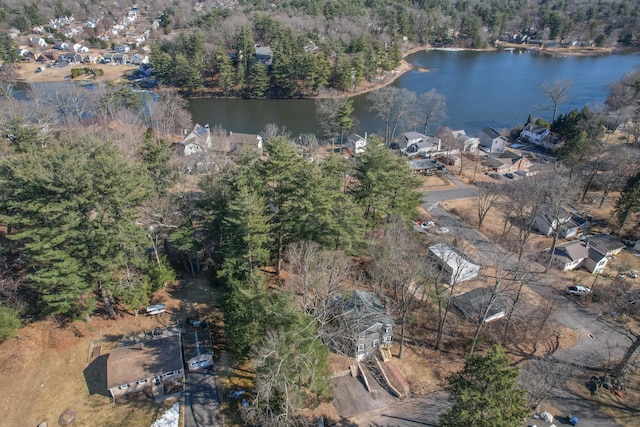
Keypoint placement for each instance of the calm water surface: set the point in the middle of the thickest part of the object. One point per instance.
(496, 88)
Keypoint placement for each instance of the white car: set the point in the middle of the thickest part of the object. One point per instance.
(444, 230)
(427, 224)
(578, 290)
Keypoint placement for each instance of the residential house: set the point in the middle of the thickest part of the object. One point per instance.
(481, 304)
(456, 267)
(154, 363)
(607, 244)
(491, 141)
(122, 48)
(579, 254)
(507, 161)
(361, 325)
(137, 59)
(198, 141)
(70, 58)
(356, 144)
(38, 42)
(409, 138)
(425, 166)
(547, 222)
(264, 54)
(467, 143)
(115, 58)
(535, 134)
(418, 144)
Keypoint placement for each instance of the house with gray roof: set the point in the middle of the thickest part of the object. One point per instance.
(361, 324)
(481, 305)
(198, 141)
(579, 254)
(607, 244)
(416, 144)
(456, 267)
(491, 141)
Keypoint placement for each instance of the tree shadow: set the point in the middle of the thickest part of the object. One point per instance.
(95, 375)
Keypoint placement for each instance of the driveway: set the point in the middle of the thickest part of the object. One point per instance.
(411, 412)
(201, 400)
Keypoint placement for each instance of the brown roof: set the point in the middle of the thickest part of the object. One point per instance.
(126, 365)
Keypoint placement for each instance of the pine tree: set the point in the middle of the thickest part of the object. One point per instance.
(74, 206)
(485, 393)
(386, 186)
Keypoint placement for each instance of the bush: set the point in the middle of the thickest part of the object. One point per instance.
(160, 275)
(9, 322)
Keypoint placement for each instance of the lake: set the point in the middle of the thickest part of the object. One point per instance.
(492, 88)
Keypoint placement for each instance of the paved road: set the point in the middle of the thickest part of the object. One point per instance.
(201, 402)
(598, 343)
(412, 412)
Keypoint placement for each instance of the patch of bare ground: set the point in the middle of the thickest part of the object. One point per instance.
(49, 364)
(623, 409)
(435, 182)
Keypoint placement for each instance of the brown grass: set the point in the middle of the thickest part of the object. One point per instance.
(27, 72)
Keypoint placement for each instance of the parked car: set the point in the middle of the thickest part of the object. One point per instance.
(427, 224)
(509, 175)
(443, 230)
(578, 290)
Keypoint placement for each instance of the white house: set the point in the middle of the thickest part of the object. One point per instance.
(418, 144)
(579, 254)
(548, 222)
(356, 143)
(76, 47)
(198, 141)
(491, 141)
(535, 134)
(456, 267)
(37, 42)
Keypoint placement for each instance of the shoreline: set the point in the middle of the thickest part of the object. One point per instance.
(26, 73)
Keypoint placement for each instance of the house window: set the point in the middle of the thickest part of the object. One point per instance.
(141, 381)
(176, 372)
(386, 339)
(124, 386)
(375, 343)
(389, 329)
(360, 347)
(361, 336)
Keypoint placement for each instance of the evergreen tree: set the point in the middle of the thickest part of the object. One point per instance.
(485, 393)
(629, 201)
(282, 173)
(386, 186)
(74, 205)
(259, 79)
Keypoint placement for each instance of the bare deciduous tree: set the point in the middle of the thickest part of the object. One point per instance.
(398, 270)
(488, 196)
(557, 92)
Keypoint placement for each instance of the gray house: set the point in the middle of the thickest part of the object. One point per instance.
(152, 364)
(491, 141)
(361, 324)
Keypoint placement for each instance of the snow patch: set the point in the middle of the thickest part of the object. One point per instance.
(169, 418)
